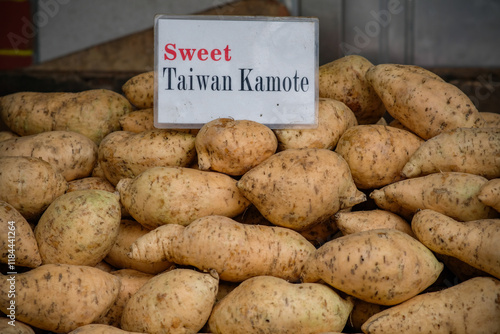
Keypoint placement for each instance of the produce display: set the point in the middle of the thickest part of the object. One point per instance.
(360, 225)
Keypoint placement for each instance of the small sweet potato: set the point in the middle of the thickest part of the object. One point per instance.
(382, 266)
(423, 103)
(125, 154)
(71, 154)
(451, 193)
(29, 184)
(59, 298)
(267, 304)
(334, 118)
(236, 251)
(469, 307)
(17, 240)
(489, 194)
(466, 150)
(179, 195)
(177, 301)
(138, 120)
(232, 146)
(473, 242)
(139, 90)
(8, 326)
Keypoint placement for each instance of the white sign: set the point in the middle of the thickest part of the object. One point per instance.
(255, 68)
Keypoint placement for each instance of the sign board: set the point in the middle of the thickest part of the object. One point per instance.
(254, 68)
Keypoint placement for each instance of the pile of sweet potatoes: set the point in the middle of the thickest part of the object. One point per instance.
(382, 219)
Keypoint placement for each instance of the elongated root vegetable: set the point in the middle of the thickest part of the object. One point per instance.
(423, 103)
(79, 227)
(469, 307)
(29, 184)
(83, 294)
(466, 150)
(267, 304)
(474, 242)
(177, 195)
(376, 153)
(234, 146)
(344, 80)
(237, 251)
(451, 193)
(69, 153)
(22, 249)
(298, 188)
(125, 154)
(93, 113)
(489, 194)
(383, 266)
(334, 118)
(177, 301)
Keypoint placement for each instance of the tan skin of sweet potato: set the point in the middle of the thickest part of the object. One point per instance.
(357, 221)
(60, 298)
(489, 194)
(451, 193)
(267, 304)
(469, 307)
(14, 227)
(466, 150)
(125, 154)
(5, 135)
(19, 328)
(334, 118)
(178, 195)
(71, 154)
(298, 188)
(100, 329)
(93, 113)
(234, 147)
(361, 312)
(237, 251)
(91, 182)
(177, 301)
(79, 227)
(128, 232)
(130, 282)
(376, 153)
(138, 120)
(139, 90)
(474, 242)
(344, 80)
(29, 184)
(421, 102)
(491, 119)
(383, 266)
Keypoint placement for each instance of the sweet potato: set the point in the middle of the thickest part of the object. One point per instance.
(91, 182)
(474, 242)
(17, 240)
(334, 118)
(489, 194)
(100, 329)
(267, 304)
(451, 193)
(236, 251)
(232, 146)
(58, 297)
(128, 232)
(298, 188)
(466, 150)
(29, 184)
(8, 326)
(5, 135)
(357, 221)
(469, 307)
(344, 80)
(376, 153)
(125, 154)
(423, 103)
(491, 119)
(361, 312)
(382, 266)
(93, 113)
(178, 195)
(130, 282)
(71, 154)
(178, 301)
(139, 90)
(79, 227)
(138, 120)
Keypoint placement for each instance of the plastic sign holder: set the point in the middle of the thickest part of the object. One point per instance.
(263, 69)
